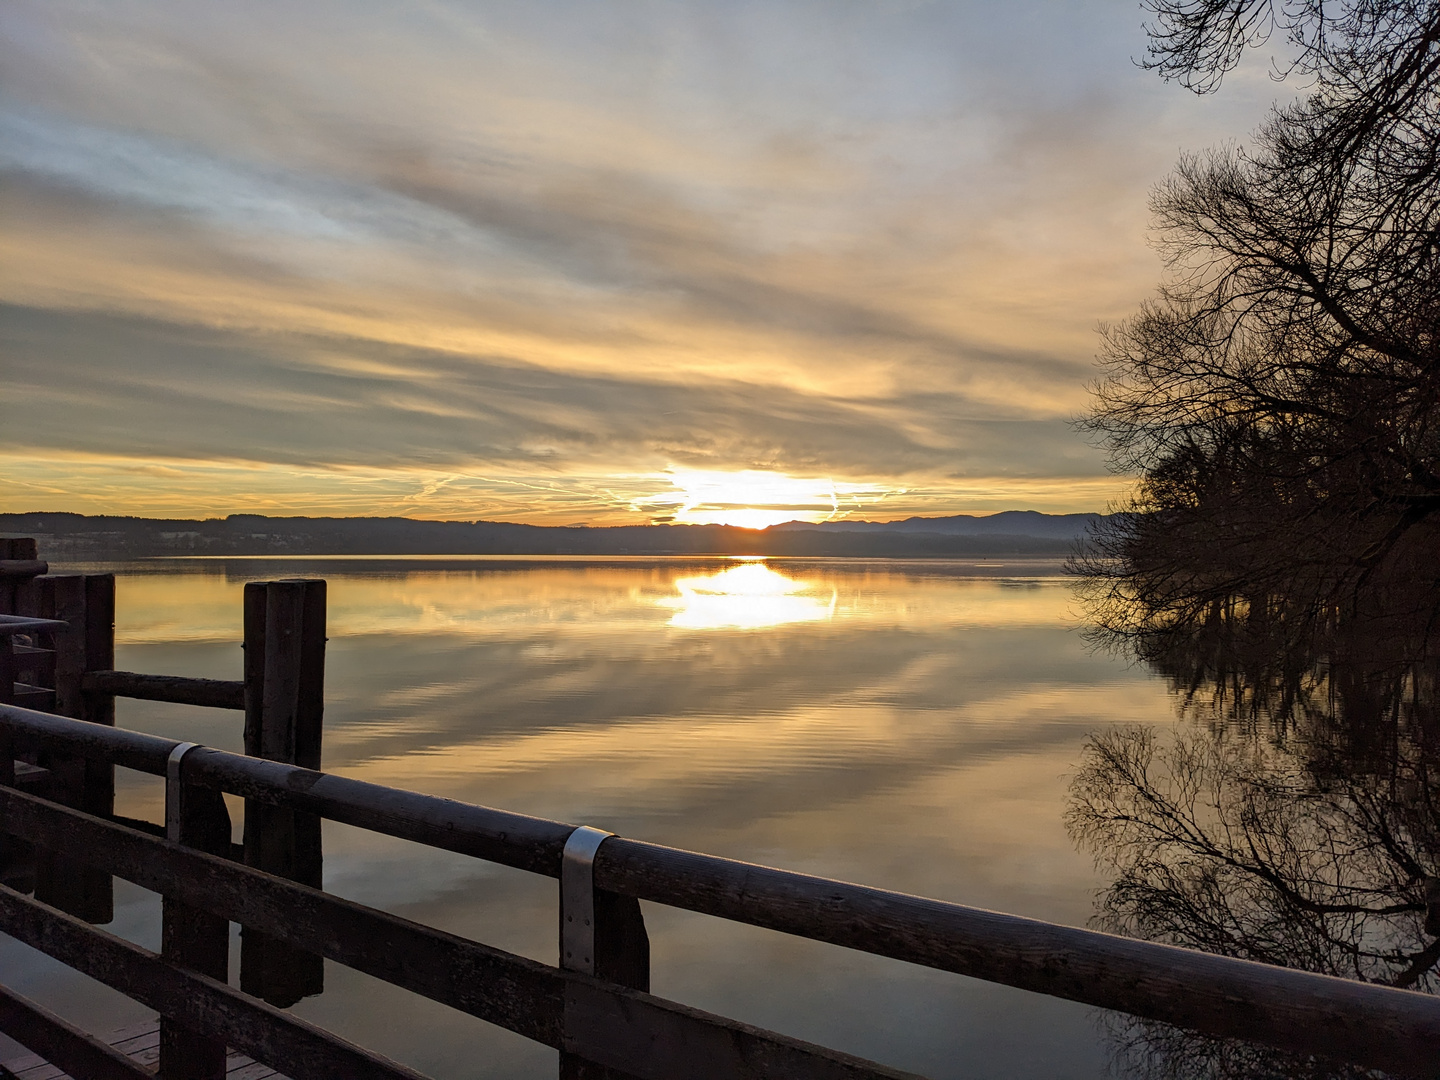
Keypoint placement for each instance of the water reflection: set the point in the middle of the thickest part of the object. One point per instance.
(748, 596)
(915, 735)
(1292, 816)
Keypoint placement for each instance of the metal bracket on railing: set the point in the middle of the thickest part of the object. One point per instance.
(577, 899)
(172, 789)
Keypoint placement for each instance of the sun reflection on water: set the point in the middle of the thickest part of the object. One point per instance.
(748, 596)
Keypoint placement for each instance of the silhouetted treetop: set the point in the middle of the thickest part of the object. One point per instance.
(1281, 393)
(1378, 49)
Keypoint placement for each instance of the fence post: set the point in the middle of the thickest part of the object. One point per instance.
(9, 850)
(7, 669)
(62, 881)
(96, 706)
(17, 858)
(601, 934)
(22, 549)
(284, 708)
(191, 937)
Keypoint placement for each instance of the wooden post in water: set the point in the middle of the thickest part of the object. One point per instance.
(60, 880)
(96, 706)
(16, 552)
(7, 670)
(86, 604)
(284, 709)
(189, 936)
(10, 850)
(17, 565)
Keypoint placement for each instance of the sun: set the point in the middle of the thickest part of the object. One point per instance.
(751, 498)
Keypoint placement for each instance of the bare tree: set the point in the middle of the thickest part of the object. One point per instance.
(1285, 382)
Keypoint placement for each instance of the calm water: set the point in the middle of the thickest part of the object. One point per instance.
(912, 726)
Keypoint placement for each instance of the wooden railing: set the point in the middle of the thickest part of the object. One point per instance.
(57, 654)
(597, 1017)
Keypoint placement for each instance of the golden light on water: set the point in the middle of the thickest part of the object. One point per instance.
(748, 596)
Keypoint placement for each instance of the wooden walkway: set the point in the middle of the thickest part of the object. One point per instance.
(141, 1044)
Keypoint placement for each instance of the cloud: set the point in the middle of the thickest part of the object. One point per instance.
(861, 240)
(90, 381)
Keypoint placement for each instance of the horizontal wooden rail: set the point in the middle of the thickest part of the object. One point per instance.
(643, 1035)
(1372, 1025)
(264, 1032)
(98, 742)
(62, 1043)
(1362, 1023)
(211, 693)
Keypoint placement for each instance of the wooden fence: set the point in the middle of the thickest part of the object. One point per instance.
(594, 1006)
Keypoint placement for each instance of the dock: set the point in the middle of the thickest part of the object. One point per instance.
(141, 1044)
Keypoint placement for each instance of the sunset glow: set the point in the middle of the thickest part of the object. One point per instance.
(748, 596)
(509, 262)
(755, 499)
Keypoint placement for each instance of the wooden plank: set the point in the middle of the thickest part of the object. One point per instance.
(43, 1071)
(245, 1069)
(210, 693)
(75, 1051)
(140, 1043)
(266, 1033)
(522, 995)
(137, 1038)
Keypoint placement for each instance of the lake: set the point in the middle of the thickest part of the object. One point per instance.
(913, 726)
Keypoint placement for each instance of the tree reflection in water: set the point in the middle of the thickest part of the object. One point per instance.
(1292, 816)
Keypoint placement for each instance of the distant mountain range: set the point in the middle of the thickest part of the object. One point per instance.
(73, 537)
(1028, 523)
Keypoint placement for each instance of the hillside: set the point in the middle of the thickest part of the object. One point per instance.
(77, 536)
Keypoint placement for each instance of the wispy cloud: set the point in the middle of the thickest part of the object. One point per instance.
(559, 243)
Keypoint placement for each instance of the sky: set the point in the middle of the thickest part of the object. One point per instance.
(574, 262)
